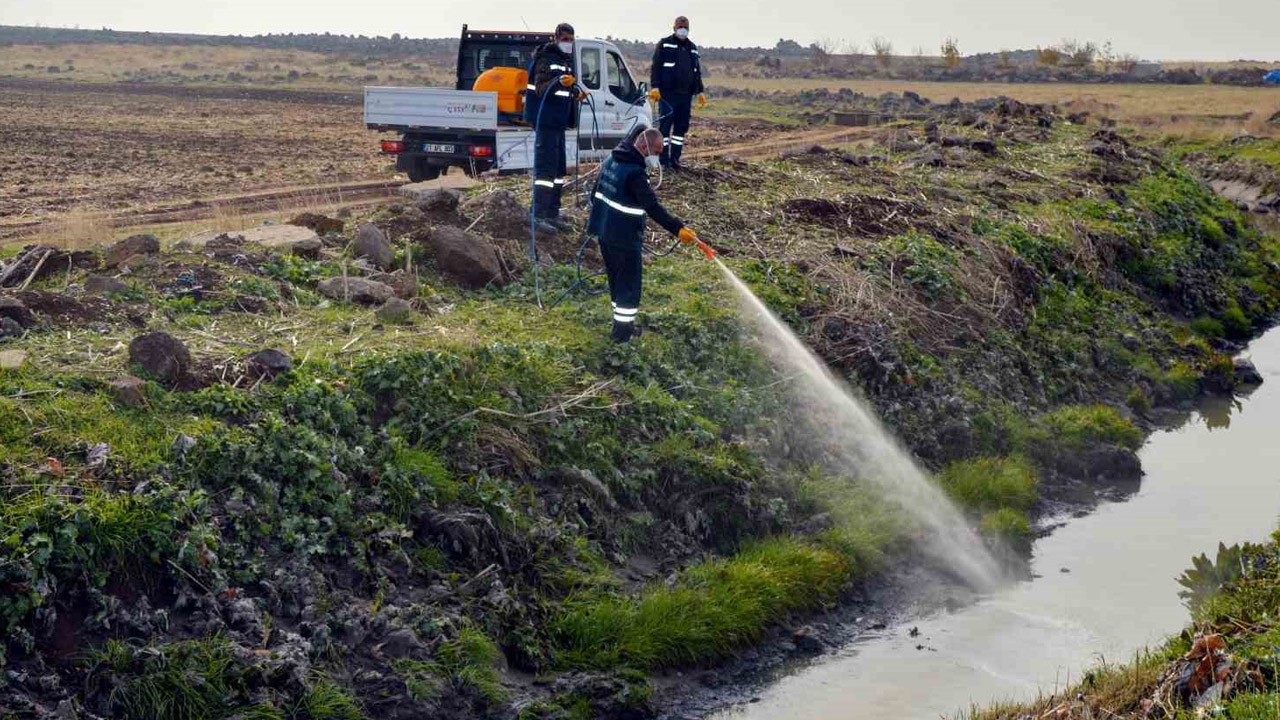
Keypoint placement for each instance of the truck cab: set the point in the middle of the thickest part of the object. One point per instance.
(439, 128)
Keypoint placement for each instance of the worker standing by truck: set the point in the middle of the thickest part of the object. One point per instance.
(675, 79)
(622, 200)
(551, 107)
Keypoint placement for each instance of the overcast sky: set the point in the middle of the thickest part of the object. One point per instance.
(1151, 29)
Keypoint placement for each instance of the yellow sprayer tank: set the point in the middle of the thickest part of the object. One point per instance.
(509, 83)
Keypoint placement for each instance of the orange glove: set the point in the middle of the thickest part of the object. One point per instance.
(702, 100)
(654, 95)
(567, 80)
(687, 236)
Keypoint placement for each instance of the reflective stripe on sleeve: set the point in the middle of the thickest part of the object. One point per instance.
(544, 183)
(559, 181)
(559, 67)
(532, 87)
(619, 206)
(695, 52)
(562, 93)
(668, 64)
(669, 45)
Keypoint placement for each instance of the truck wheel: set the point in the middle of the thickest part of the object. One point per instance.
(420, 171)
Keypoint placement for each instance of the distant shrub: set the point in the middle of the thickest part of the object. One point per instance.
(1048, 56)
(951, 52)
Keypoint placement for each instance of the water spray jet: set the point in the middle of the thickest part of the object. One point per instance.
(846, 431)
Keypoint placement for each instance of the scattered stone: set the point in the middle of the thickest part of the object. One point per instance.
(129, 391)
(498, 214)
(1246, 373)
(96, 457)
(9, 328)
(12, 359)
(372, 243)
(402, 643)
(182, 444)
(401, 283)
(131, 246)
(396, 312)
(251, 303)
(67, 710)
(360, 290)
(318, 223)
(268, 364)
(17, 311)
(162, 356)
(806, 640)
(986, 146)
(104, 285)
(465, 259)
(438, 200)
(308, 248)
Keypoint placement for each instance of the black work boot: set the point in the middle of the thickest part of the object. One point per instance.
(622, 332)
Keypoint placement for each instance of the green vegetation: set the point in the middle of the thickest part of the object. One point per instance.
(468, 661)
(987, 484)
(713, 609)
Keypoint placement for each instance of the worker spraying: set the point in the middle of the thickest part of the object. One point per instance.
(551, 105)
(622, 201)
(676, 78)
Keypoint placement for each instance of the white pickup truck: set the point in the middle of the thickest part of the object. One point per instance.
(440, 128)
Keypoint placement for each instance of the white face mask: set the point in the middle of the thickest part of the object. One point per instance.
(652, 161)
(682, 33)
(565, 47)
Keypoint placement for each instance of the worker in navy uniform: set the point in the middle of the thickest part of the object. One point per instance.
(675, 79)
(551, 106)
(622, 201)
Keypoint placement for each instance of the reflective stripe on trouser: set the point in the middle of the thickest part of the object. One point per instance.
(675, 125)
(549, 167)
(623, 266)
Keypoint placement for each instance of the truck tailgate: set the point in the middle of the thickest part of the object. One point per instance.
(402, 108)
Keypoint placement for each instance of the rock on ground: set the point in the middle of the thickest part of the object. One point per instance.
(130, 246)
(268, 363)
(320, 224)
(401, 283)
(130, 391)
(372, 243)
(1246, 373)
(9, 328)
(162, 356)
(396, 312)
(438, 201)
(465, 259)
(104, 284)
(16, 310)
(360, 290)
(12, 359)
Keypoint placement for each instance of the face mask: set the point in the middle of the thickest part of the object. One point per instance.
(682, 33)
(566, 47)
(652, 161)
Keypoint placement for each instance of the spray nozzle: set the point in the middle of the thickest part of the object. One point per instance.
(707, 250)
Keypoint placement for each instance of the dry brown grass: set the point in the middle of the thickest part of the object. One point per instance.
(105, 63)
(1174, 109)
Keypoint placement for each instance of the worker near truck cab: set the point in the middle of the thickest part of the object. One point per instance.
(623, 199)
(675, 79)
(552, 107)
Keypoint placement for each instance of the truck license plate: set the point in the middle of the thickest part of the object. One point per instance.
(437, 148)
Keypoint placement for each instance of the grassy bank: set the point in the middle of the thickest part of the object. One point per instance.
(426, 502)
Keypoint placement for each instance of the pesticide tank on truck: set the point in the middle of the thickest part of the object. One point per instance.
(478, 125)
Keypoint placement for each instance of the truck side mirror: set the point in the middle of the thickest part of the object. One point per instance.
(643, 91)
